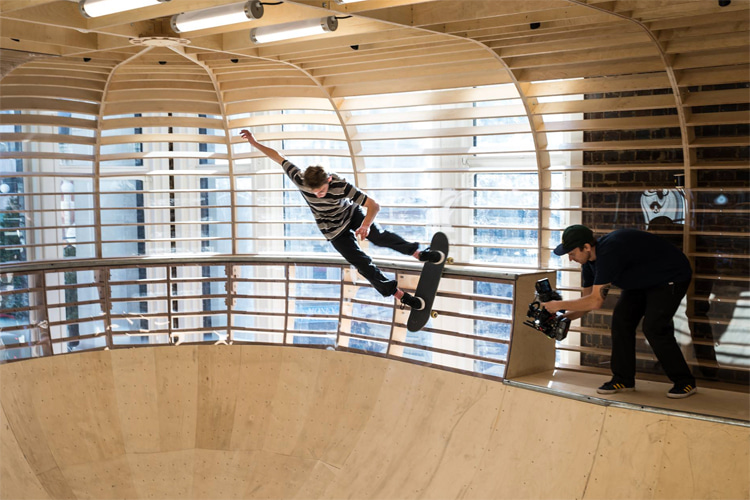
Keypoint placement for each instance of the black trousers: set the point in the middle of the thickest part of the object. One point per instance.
(657, 307)
(347, 245)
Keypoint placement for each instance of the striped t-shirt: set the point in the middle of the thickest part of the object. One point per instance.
(334, 211)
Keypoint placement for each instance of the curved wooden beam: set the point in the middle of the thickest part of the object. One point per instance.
(313, 79)
(97, 152)
(679, 105)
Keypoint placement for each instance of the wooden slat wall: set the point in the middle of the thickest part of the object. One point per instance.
(617, 98)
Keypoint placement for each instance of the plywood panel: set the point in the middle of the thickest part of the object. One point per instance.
(630, 449)
(17, 396)
(686, 471)
(177, 386)
(344, 397)
(17, 479)
(541, 447)
(218, 376)
(163, 475)
(530, 350)
(256, 389)
(279, 422)
(90, 436)
(101, 480)
(407, 443)
(291, 406)
(137, 401)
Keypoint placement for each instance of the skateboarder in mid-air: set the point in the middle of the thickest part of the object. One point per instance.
(336, 206)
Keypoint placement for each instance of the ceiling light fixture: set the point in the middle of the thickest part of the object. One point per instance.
(217, 16)
(266, 34)
(98, 8)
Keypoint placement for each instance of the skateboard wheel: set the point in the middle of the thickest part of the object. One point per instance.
(449, 260)
(434, 314)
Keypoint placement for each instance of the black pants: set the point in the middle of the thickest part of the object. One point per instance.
(347, 245)
(657, 307)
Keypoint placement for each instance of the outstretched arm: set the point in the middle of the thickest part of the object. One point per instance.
(269, 152)
(372, 210)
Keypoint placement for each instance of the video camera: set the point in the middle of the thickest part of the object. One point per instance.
(554, 326)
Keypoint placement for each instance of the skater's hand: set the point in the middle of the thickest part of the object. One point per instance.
(552, 306)
(362, 232)
(247, 135)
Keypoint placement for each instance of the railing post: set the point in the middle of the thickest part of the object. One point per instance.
(341, 306)
(43, 322)
(169, 306)
(287, 275)
(229, 300)
(104, 291)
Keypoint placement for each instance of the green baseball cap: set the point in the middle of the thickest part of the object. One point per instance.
(574, 236)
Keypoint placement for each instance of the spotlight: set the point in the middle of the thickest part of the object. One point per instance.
(354, 47)
(296, 29)
(86, 59)
(724, 3)
(162, 62)
(535, 26)
(235, 61)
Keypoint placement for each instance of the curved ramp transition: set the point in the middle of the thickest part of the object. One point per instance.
(274, 422)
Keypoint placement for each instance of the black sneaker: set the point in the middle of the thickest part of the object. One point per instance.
(613, 387)
(682, 391)
(434, 256)
(416, 303)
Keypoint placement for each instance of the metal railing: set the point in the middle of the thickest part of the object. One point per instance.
(77, 305)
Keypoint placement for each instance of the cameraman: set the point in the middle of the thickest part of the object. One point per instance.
(653, 277)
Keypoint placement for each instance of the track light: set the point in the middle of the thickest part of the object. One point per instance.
(98, 8)
(217, 16)
(296, 29)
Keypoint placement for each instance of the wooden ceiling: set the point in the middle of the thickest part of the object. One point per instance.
(398, 45)
(546, 49)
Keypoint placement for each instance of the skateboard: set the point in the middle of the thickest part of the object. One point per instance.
(428, 283)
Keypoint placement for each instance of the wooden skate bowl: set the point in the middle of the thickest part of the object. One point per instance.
(276, 422)
(619, 98)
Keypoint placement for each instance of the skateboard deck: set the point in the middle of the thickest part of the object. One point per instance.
(428, 283)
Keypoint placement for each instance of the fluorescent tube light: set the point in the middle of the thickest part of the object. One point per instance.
(98, 8)
(266, 34)
(217, 16)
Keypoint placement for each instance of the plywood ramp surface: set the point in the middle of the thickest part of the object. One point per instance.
(280, 422)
